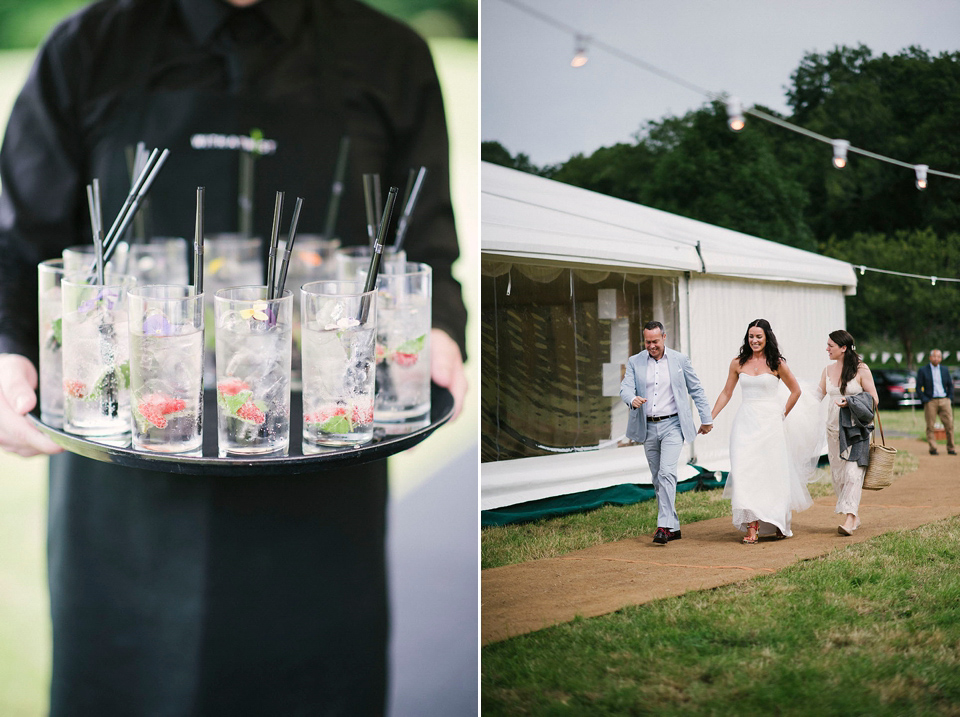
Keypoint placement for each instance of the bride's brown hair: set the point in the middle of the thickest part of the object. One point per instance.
(771, 350)
(851, 359)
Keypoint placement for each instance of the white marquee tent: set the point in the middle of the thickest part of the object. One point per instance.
(726, 279)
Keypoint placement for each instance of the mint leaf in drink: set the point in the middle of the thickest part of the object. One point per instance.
(413, 346)
(231, 403)
(336, 424)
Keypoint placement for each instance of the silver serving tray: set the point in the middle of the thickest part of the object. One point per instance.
(382, 446)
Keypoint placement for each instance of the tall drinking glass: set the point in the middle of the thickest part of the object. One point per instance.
(50, 303)
(339, 335)
(352, 261)
(312, 259)
(81, 257)
(228, 260)
(96, 350)
(166, 368)
(402, 401)
(162, 260)
(254, 337)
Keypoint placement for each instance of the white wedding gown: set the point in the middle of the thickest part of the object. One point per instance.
(771, 458)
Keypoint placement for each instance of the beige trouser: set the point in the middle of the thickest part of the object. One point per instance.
(939, 407)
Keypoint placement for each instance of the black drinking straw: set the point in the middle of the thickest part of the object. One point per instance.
(95, 230)
(274, 239)
(337, 189)
(368, 205)
(377, 198)
(123, 219)
(140, 220)
(408, 210)
(377, 252)
(245, 195)
(291, 235)
(198, 246)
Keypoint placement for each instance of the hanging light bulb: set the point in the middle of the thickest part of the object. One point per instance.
(580, 55)
(933, 281)
(863, 270)
(735, 119)
(921, 170)
(840, 147)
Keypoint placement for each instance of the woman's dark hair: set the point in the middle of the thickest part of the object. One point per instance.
(770, 350)
(851, 359)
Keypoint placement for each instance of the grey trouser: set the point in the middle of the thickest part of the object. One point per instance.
(662, 445)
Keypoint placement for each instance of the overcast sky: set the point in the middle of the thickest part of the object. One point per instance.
(533, 102)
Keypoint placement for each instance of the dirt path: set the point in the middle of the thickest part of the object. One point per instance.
(517, 599)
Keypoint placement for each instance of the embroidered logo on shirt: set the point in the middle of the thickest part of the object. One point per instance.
(255, 144)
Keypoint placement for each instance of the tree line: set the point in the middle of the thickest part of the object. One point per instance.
(773, 183)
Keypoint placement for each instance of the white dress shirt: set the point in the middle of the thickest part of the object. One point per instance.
(660, 399)
(938, 390)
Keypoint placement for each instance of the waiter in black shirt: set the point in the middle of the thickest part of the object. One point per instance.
(206, 596)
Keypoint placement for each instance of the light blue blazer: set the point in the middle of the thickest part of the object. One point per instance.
(685, 385)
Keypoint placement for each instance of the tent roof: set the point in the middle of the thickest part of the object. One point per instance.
(524, 215)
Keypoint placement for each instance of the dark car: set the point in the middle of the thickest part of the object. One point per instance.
(955, 375)
(896, 388)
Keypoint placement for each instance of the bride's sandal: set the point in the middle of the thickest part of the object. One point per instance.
(756, 535)
(779, 535)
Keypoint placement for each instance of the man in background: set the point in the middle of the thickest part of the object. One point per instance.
(935, 387)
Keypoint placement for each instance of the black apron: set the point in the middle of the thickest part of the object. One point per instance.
(186, 595)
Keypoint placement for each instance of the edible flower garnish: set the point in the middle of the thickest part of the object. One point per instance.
(344, 322)
(157, 325)
(258, 312)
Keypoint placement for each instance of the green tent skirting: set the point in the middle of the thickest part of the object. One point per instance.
(625, 494)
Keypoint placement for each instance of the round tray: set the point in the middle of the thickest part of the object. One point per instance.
(382, 446)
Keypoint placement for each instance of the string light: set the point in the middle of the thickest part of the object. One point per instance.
(921, 171)
(840, 147)
(580, 54)
(720, 97)
(735, 119)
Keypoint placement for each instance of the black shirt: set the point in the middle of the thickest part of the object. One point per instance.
(386, 92)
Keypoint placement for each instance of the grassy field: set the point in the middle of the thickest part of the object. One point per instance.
(508, 544)
(871, 629)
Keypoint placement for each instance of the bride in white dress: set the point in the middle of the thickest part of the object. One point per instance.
(766, 482)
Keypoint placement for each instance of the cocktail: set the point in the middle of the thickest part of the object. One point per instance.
(312, 259)
(352, 262)
(166, 368)
(50, 304)
(96, 347)
(254, 337)
(82, 257)
(403, 347)
(162, 260)
(339, 335)
(228, 260)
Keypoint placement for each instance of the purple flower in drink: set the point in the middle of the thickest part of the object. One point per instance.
(107, 296)
(157, 325)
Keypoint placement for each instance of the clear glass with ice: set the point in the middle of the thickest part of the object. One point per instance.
(402, 401)
(50, 304)
(96, 356)
(166, 368)
(228, 260)
(339, 335)
(254, 340)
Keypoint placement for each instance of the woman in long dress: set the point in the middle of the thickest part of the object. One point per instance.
(764, 486)
(846, 376)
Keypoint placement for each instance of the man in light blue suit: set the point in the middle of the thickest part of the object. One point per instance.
(657, 387)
